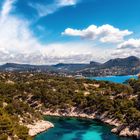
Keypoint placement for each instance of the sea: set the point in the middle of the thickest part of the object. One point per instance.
(78, 129)
(83, 129)
(115, 79)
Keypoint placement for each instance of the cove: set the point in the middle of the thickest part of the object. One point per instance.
(115, 79)
(78, 129)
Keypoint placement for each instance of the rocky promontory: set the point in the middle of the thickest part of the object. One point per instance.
(119, 128)
(126, 131)
(39, 127)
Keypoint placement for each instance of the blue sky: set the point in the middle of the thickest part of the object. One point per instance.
(69, 31)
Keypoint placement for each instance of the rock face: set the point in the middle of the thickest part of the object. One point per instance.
(74, 112)
(39, 127)
(127, 132)
(119, 129)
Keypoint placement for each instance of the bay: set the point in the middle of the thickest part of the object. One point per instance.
(83, 129)
(115, 79)
(78, 129)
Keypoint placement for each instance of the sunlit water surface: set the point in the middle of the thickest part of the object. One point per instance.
(78, 129)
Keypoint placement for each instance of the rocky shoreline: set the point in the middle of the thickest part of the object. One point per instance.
(120, 129)
(39, 127)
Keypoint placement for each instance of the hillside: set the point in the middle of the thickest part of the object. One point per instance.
(118, 66)
(35, 94)
(131, 61)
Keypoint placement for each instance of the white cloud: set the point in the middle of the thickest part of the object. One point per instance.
(44, 10)
(105, 33)
(125, 53)
(7, 7)
(15, 35)
(67, 2)
(131, 43)
(128, 48)
(18, 44)
(75, 52)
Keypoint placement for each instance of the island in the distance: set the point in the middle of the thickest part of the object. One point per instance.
(26, 97)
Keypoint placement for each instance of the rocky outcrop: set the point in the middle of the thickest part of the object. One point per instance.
(125, 131)
(39, 127)
(74, 112)
(119, 129)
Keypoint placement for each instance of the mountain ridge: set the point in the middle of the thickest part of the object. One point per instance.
(117, 66)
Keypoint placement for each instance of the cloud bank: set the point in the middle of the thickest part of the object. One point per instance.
(131, 43)
(109, 34)
(105, 33)
(18, 43)
(127, 48)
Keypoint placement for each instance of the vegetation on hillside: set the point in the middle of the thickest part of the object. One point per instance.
(24, 95)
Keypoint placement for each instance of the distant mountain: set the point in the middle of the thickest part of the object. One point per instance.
(118, 66)
(24, 67)
(125, 62)
(94, 64)
(61, 67)
(70, 67)
(15, 65)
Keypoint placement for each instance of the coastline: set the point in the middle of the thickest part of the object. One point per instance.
(38, 127)
(119, 128)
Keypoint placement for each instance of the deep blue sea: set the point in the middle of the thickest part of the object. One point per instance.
(78, 129)
(116, 79)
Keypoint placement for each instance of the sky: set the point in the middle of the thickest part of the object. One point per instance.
(68, 31)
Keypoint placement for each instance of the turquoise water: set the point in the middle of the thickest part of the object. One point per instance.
(82, 129)
(78, 129)
(116, 79)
